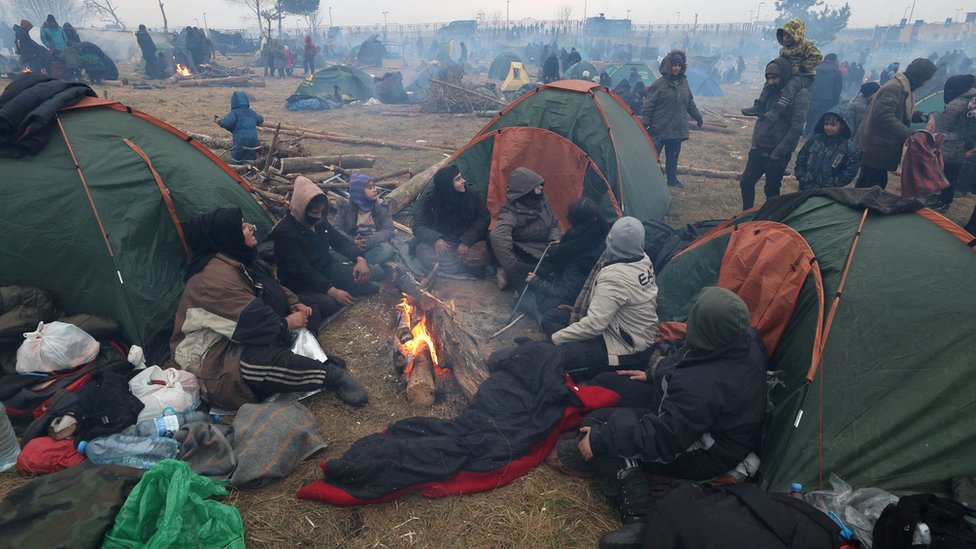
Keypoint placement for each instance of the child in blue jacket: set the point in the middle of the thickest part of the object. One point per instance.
(243, 123)
(829, 158)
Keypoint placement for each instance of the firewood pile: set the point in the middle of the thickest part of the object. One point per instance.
(448, 97)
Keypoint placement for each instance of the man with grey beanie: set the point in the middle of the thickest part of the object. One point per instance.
(620, 321)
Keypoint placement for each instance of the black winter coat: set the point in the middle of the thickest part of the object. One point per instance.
(27, 110)
(714, 402)
(304, 256)
(467, 225)
(567, 265)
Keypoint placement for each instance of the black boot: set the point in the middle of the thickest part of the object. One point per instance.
(345, 386)
(633, 498)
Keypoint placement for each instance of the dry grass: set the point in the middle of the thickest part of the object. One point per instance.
(542, 509)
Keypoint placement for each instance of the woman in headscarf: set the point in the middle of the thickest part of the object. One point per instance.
(695, 415)
(451, 225)
(524, 229)
(234, 320)
(367, 221)
(551, 293)
(667, 107)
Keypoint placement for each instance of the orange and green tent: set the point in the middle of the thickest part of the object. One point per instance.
(865, 302)
(97, 216)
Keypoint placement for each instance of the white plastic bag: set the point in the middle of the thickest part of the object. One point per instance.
(307, 345)
(55, 346)
(165, 391)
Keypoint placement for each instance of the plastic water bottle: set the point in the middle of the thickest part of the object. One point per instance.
(138, 452)
(167, 425)
(9, 448)
(796, 491)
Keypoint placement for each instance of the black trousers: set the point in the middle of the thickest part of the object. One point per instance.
(671, 149)
(952, 173)
(269, 369)
(871, 177)
(760, 163)
(583, 360)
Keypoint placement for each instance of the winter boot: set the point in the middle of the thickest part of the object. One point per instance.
(754, 110)
(345, 386)
(567, 459)
(633, 498)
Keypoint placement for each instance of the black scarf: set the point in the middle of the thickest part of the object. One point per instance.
(219, 231)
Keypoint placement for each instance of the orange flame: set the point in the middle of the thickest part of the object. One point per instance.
(420, 335)
(25, 71)
(183, 71)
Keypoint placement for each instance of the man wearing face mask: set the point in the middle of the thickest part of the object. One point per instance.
(304, 240)
(774, 138)
(525, 226)
(887, 124)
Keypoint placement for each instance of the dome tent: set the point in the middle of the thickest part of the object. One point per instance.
(874, 365)
(500, 66)
(576, 71)
(622, 72)
(97, 216)
(580, 138)
(701, 84)
(350, 84)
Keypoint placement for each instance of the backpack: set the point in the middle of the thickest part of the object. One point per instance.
(945, 518)
(739, 515)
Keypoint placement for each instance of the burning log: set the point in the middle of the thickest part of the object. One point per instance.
(404, 329)
(420, 384)
(306, 163)
(236, 81)
(405, 193)
(459, 350)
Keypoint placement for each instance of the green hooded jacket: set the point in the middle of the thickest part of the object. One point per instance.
(803, 55)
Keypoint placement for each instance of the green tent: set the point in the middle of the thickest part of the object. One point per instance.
(622, 72)
(353, 84)
(866, 301)
(420, 79)
(578, 136)
(97, 216)
(499, 67)
(575, 72)
(934, 102)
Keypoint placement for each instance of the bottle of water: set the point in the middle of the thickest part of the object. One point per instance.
(796, 491)
(9, 449)
(138, 452)
(167, 425)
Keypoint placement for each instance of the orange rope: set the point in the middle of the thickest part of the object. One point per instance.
(84, 184)
(167, 199)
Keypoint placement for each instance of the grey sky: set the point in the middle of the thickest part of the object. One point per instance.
(223, 14)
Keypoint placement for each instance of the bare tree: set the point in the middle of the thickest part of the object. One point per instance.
(313, 21)
(106, 11)
(563, 13)
(256, 7)
(36, 11)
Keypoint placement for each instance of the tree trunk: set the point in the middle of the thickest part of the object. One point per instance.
(318, 163)
(165, 24)
(407, 192)
(236, 81)
(212, 142)
(420, 386)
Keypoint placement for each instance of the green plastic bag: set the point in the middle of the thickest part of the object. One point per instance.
(170, 507)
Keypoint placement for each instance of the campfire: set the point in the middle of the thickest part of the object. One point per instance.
(416, 355)
(183, 71)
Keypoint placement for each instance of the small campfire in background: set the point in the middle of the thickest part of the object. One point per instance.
(183, 71)
(416, 357)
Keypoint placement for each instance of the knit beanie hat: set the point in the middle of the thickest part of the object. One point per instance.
(869, 88)
(717, 319)
(957, 85)
(677, 58)
(773, 68)
(919, 71)
(626, 239)
(26, 25)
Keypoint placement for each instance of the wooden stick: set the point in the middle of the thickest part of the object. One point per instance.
(688, 170)
(405, 193)
(469, 92)
(212, 142)
(507, 326)
(238, 81)
(420, 385)
(305, 163)
(354, 140)
(271, 150)
(391, 175)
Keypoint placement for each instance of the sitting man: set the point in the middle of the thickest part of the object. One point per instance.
(525, 226)
(367, 221)
(695, 415)
(303, 241)
(621, 312)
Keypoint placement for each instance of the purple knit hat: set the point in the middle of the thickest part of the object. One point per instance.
(357, 192)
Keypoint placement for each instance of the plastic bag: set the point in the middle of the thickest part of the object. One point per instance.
(165, 391)
(171, 507)
(859, 509)
(307, 345)
(55, 346)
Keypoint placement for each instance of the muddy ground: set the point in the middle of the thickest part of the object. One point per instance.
(542, 509)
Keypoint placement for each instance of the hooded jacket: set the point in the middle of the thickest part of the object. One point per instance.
(887, 124)
(669, 103)
(148, 46)
(347, 217)
(303, 253)
(780, 135)
(242, 121)
(827, 85)
(827, 161)
(52, 35)
(459, 218)
(803, 55)
(521, 226)
(622, 306)
(567, 266)
(952, 124)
